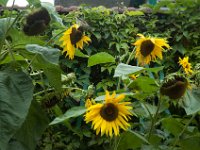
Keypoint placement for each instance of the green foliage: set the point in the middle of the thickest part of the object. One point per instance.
(45, 58)
(16, 94)
(129, 141)
(191, 101)
(172, 125)
(124, 70)
(106, 63)
(4, 26)
(191, 143)
(3, 2)
(73, 112)
(100, 58)
(28, 135)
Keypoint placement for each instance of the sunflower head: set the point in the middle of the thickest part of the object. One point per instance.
(185, 65)
(149, 48)
(75, 35)
(73, 38)
(174, 87)
(36, 22)
(108, 117)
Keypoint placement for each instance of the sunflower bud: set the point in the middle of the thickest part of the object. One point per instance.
(174, 87)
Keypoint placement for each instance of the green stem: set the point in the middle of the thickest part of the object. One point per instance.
(9, 27)
(148, 110)
(54, 37)
(10, 51)
(185, 127)
(153, 120)
(127, 62)
(129, 59)
(58, 112)
(42, 92)
(31, 61)
(117, 143)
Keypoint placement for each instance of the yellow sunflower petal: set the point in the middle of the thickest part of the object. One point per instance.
(119, 98)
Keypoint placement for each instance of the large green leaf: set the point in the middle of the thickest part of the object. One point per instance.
(16, 92)
(48, 53)
(31, 130)
(100, 58)
(191, 143)
(3, 2)
(4, 26)
(139, 136)
(191, 102)
(144, 84)
(80, 54)
(172, 125)
(129, 140)
(155, 69)
(124, 69)
(73, 112)
(39, 61)
(52, 11)
(24, 39)
(8, 59)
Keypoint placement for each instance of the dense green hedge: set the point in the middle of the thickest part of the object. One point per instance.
(156, 123)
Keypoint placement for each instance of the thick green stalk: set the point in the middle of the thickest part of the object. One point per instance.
(153, 120)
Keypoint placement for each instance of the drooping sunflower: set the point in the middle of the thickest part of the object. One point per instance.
(110, 116)
(37, 22)
(73, 38)
(186, 65)
(149, 48)
(174, 86)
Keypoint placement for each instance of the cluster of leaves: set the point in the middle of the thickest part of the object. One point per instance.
(38, 84)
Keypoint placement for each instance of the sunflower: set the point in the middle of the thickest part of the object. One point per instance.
(37, 22)
(109, 116)
(174, 87)
(148, 48)
(73, 38)
(186, 65)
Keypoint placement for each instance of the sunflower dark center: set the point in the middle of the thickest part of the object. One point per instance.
(174, 88)
(109, 112)
(75, 36)
(146, 47)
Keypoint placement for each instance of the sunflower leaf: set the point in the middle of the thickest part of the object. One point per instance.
(139, 136)
(100, 58)
(124, 69)
(155, 70)
(45, 58)
(3, 2)
(191, 101)
(4, 26)
(22, 138)
(80, 54)
(73, 112)
(50, 54)
(129, 140)
(16, 93)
